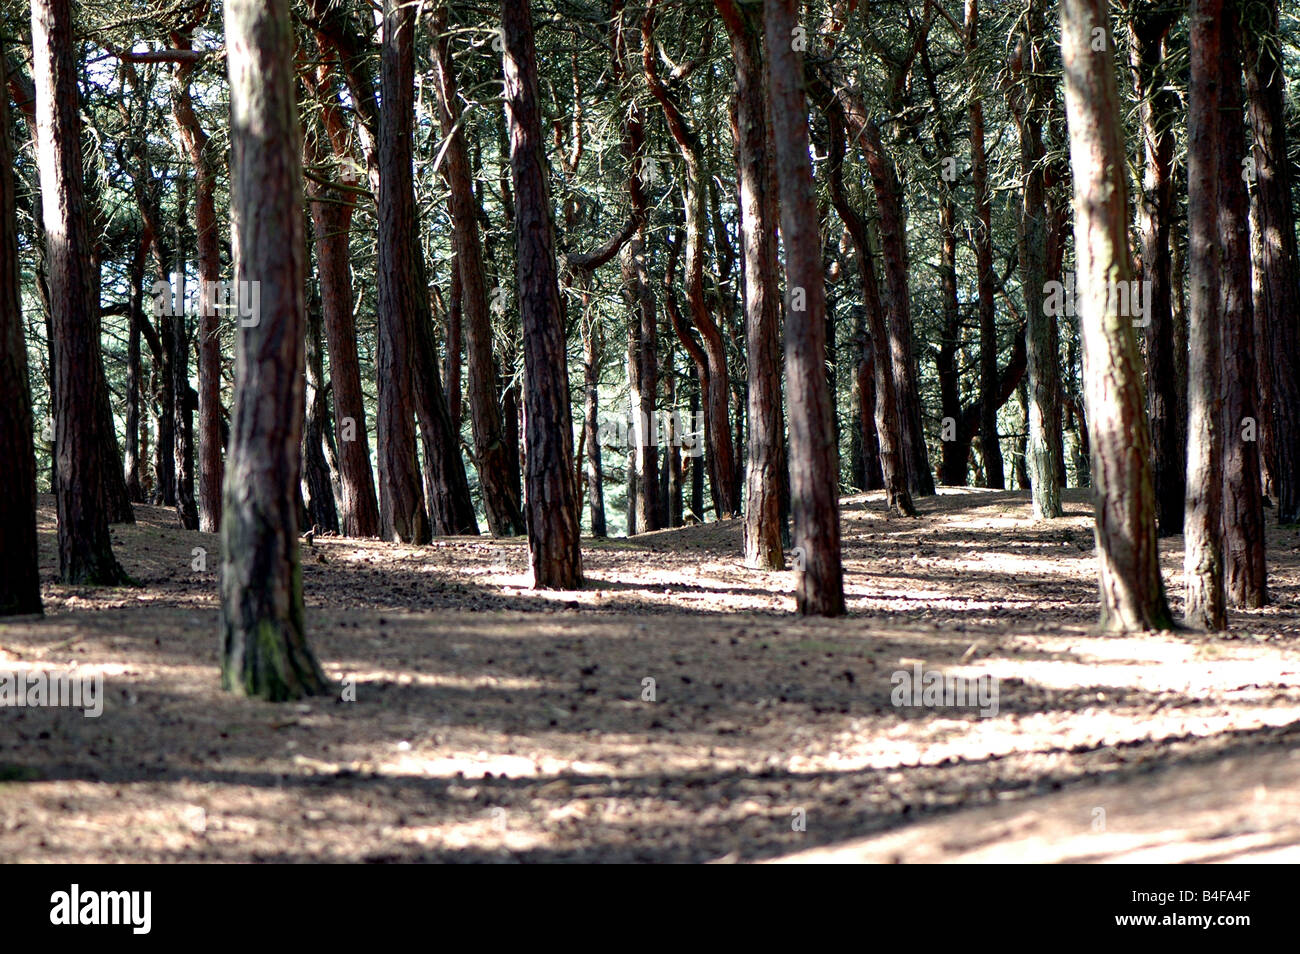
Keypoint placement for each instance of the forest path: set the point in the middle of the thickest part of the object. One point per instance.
(492, 723)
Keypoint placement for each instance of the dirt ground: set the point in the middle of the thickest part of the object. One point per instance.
(495, 724)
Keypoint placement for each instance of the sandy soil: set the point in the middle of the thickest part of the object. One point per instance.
(492, 723)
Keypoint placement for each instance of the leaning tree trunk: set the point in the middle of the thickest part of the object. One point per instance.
(1244, 572)
(401, 496)
(85, 549)
(1132, 593)
(1277, 309)
(20, 583)
(759, 212)
(264, 645)
(888, 429)
(717, 387)
(550, 496)
(814, 458)
(1203, 518)
(502, 507)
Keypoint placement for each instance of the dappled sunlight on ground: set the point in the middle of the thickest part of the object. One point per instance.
(673, 709)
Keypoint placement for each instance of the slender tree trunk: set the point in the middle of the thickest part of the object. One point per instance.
(550, 496)
(888, 427)
(85, 549)
(717, 381)
(1277, 309)
(1244, 571)
(1203, 520)
(20, 583)
(264, 645)
(332, 211)
(195, 141)
(504, 516)
(131, 450)
(401, 496)
(1132, 593)
(317, 486)
(994, 474)
(759, 212)
(814, 458)
(187, 509)
(1159, 109)
(893, 234)
(591, 426)
(1029, 100)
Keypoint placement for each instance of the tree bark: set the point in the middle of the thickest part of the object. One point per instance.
(1131, 590)
(994, 473)
(893, 234)
(550, 496)
(504, 516)
(1030, 97)
(85, 549)
(1244, 572)
(264, 646)
(717, 382)
(1277, 301)
(1203, 518)
(814, 457)
(888, 428)
(401, 496)
(759, 213)
(195, 141)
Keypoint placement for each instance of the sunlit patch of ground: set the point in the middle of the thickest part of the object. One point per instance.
(672, 710)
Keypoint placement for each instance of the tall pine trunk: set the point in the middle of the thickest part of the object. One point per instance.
(264, 644)
(759, 211)
(80, 394)
(401, 495)
(1132, 593)
(550, 495)
(814, 458)
(1203, 517)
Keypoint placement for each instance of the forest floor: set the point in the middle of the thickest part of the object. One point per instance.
(493, 723)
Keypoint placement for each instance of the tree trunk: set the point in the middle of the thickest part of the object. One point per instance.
(195, 141)
(1132, 593)
(717, 382)
(131, 450)
(317, 486)
(20, 583)
(1244, 571)
(1277, 309)
(187, 509)
(332, 210)
(264, 646)
(982, 234)
(550, 496)
(888, 428)
(504, 516)
(1030, 98)
(893, 235)
(814, 458)
(85, 549)
(401, 496)
(1203, 519)
(759, 212)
